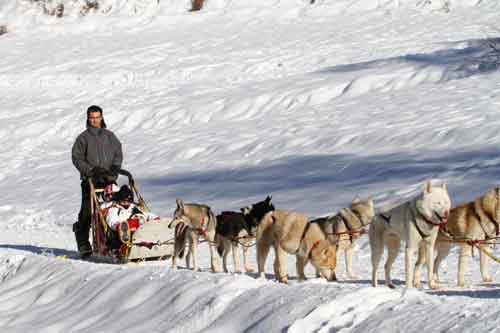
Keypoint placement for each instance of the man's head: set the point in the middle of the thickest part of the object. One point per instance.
(94, 117)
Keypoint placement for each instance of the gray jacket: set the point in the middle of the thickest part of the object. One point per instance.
(96, 147)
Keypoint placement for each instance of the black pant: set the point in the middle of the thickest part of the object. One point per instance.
(82, 227)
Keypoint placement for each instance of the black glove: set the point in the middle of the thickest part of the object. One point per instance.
(98, 172)
(114, 170)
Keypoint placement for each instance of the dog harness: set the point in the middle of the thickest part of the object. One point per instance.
(415, 222)
(202, 231)
(316, 243)
(338, 218)
(308, 224)
(495, 223)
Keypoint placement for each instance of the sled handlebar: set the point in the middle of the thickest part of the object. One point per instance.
(126, 173)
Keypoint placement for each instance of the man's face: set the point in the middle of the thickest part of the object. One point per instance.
(95, 119)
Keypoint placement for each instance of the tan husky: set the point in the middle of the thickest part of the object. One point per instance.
(416, 223)
(291, 232)
(477, 220)
(200, 221)
(345, 228)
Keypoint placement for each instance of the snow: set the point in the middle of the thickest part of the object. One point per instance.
(312, 104)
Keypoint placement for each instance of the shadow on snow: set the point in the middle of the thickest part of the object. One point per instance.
(334, 178)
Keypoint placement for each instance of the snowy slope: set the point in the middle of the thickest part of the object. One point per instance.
(312, 104)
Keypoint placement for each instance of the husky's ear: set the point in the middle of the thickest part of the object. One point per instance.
(498, 191)
(268, 198)
(356, 199)
(245, 210)
(428, 187)
(180, 203)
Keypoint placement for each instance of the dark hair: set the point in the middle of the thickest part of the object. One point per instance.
(95, 108)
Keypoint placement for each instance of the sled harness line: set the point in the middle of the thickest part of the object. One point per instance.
(475, 243)
(150, 245)
(360, 231)
(238, 240)
(488, 253)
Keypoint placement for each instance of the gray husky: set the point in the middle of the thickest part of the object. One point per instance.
(416, 223)
(192, 221)
(345, 228)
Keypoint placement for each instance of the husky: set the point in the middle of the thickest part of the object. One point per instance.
(345, 228)
(234, 228)
(416, 223)
(192, 221)
(291, 232)
(477, 220)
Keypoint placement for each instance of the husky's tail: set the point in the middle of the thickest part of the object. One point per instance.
(218, 239)
(220, 244)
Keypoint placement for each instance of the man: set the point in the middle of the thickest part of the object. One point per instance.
(97, 154)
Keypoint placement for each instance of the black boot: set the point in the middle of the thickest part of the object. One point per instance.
(82, 241)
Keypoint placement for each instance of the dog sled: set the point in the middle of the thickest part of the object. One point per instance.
(152, 240)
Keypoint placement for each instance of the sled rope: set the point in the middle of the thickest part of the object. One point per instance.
(238, 240)
(150, 245)
(475, 244)
(361, 231)
(486, 252)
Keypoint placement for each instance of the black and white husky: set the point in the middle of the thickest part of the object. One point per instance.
(238, 228)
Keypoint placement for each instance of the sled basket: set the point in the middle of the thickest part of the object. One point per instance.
(150, 241)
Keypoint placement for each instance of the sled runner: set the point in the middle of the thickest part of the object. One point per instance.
(151, 240)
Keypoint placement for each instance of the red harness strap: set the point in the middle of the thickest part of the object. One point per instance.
(315, 244)
(202, 231)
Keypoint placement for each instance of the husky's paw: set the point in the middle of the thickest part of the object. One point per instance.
(353, 276)
(237, 271)
(417, 284)
(301, 278)
(487, 279)
(249, 269)
(391, 285)
(434, 285)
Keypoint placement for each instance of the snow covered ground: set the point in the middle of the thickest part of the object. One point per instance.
(312, 104)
